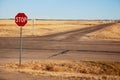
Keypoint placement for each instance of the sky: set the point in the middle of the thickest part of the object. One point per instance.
(61, 9)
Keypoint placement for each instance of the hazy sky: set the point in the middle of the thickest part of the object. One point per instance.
(61, 9)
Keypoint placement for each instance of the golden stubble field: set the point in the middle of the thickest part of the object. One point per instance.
(109, 33)
(8, 28)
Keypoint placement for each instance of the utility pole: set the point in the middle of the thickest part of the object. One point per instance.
(33, 22)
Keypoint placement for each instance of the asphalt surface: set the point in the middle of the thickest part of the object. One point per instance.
(61, 46)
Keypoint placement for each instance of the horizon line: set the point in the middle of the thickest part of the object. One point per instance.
(63, 19)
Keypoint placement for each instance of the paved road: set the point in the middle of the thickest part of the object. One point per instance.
(62, 46)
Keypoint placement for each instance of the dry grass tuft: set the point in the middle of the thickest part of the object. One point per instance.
(68, 70)
(90, 67)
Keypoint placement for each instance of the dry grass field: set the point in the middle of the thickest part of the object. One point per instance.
(109, 33)
(8, 28)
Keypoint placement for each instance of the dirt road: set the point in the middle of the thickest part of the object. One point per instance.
(62, 46)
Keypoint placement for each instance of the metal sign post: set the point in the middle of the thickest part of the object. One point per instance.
(20, 46)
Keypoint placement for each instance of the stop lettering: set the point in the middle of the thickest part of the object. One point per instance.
(20, 19)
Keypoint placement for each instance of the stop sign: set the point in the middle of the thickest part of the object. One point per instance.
(21, 19)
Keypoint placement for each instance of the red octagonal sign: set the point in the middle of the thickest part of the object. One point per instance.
(21, 19)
